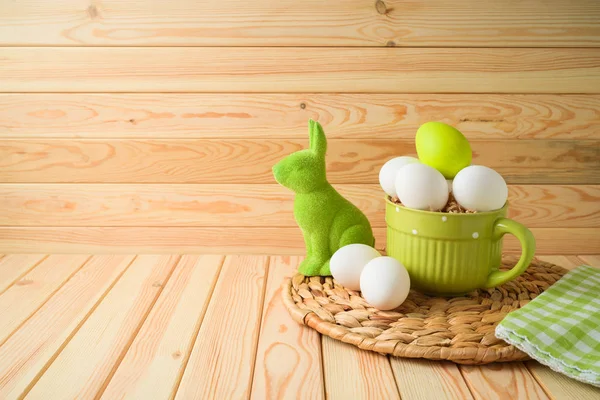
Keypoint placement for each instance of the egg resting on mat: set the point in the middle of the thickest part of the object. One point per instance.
(384, 283)
(347, 263)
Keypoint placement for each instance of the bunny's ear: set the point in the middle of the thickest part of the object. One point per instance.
(318, 142)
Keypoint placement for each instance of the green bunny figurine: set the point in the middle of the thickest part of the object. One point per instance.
(328, 221)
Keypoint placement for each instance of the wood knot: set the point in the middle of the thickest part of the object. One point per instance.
(176, 355)
(381, 7)
(302, 106)
(93, 12)
(132, 121)
(390, 43)
(157, 284)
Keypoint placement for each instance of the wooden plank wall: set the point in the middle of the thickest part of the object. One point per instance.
(152, 126)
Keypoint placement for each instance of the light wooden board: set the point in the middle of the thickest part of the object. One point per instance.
(252, 205)
(593, 260)
(304, 23)
(222, 360)
(306, 70)
(288, 359)
(568, 262)
(25, 356)
(14, 266)
(158, 355)
(351, 373)
(502, 381)
(251, 161)
(429, 380)
(238, 240)
(272, 116)
(30, 292)
(561, 386)
(87, 362)
(89, 307)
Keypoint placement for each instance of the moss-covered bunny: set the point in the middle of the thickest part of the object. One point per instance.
(328, 221)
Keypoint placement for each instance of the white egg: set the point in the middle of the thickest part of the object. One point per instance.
(387, 173)
(384, 283)
(480, 188)
(422, 187)
(347, 263)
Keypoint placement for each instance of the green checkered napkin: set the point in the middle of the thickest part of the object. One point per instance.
(561, 327)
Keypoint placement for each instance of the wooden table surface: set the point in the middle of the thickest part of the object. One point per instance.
(209, 326)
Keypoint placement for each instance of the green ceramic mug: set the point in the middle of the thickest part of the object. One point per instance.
(452, 254)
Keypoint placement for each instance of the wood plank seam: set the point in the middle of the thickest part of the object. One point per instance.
(321, 357)
(539, 381)
(323, 373)
(389, 361)
(596, 92)
(108, 326)
(371, 371)
(190, 348)
(464, 378)
(262, 309)
(536, 380)
(322, 361)
(24, 273)
(230, 323)
(293, 92)
(136, 330)
(74, 332)
(97, 345)
(300, 136)
(22, 357)
(442, 379)
(45, 300)
(288, 362)
(518, 371)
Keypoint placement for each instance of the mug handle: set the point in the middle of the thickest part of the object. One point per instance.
(502, 226)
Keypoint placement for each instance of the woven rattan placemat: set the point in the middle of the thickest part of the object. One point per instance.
(459, 329)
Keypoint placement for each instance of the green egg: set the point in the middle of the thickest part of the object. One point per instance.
(443, 147)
